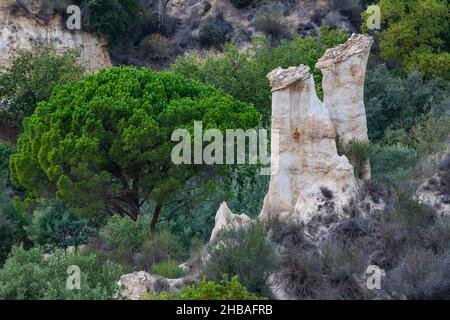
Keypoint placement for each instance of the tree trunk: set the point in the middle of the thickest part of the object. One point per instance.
(155, 218)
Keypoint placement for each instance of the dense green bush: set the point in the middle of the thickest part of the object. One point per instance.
(168, 269)
(247, 253)
(123, 232)
(111, 132)
(397, 103)
(242, 73)
(209, 290)
(55, 226)
(163, 246)
(358, 154)
(28, 80)
(416, 35)
(392, 164)
(6, 150)
(12, 224)
(29, 275)
(215, 32)
(112, 18)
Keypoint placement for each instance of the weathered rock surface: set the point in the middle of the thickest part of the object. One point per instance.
(344, 70)
(140, 282)
(435, 192)
(225, 219)
(309, 179)
(23, 31)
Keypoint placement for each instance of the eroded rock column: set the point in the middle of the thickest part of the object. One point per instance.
(309, 179)
(344, 70)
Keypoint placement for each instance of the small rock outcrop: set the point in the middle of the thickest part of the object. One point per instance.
(138, 283)
(225, 219)
(23, 30)
(435, 192)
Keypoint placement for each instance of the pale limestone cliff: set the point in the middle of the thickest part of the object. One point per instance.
(23, 31)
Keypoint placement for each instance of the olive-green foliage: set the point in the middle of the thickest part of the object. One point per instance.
(32, 77)
(397, 103)
(168, 269)
(416, 35)
(126, 233)
(103, 144)
(429, 134)
(243, 73)
(392, 163)
(6, 234)
(358, 153)
(112, 18)
(55, 226)
(215, 32)
(411, 212)
(6, 150)
(27, 275)
(227, 289)
(247, 253)
(162, 246)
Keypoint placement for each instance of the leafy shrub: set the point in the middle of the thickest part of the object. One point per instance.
(358, 153)
(411, 212)
(392, 163)
(397, 103)
(215, 32)
(209, 290)
(156, 46)
(6, 236)
(416, 32)
(112, 18)
(57, 227)
(122, 232)
(162, 246)
(429, 135)
(6, 150)
(12, 226)
(247, 253)
(241, 3)
(168, 269)
(28, 80)
(28, 275)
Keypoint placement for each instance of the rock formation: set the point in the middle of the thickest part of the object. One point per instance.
(225, 219)
(344, 70)
(24, 30)
(140, 282)
(435, 192)
(311, 178)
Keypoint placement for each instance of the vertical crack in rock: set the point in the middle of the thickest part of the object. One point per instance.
(311, 180)
(344, 70)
